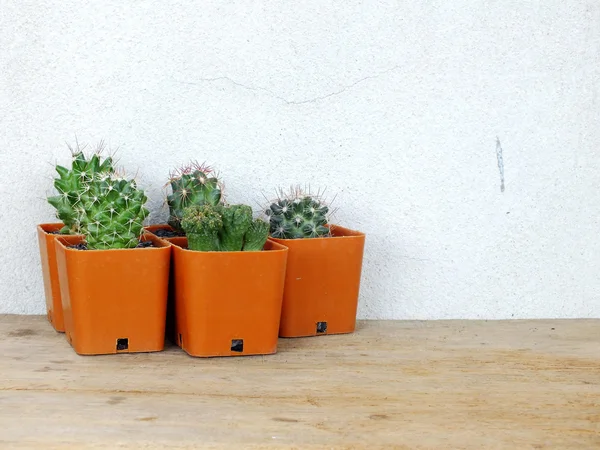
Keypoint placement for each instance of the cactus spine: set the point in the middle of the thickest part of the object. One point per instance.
(192, 185)
(73, 184)
(112, 213)
(298, 215)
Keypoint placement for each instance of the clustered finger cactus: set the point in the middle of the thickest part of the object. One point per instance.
(112, 212)
(202, 224)
(223, 228)
(298, 215)
(73, 184)
(192, 185)
(256, 236)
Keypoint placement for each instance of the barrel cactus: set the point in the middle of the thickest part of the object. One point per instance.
(192, 185)
(112, 212)
(223, 228)
(298, 215)
(73, 183)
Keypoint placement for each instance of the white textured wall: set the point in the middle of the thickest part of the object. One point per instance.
(395, 106)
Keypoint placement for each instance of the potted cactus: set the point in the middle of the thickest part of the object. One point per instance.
(194, 184)
(114, 276)
(324, 266)
(70, 184)
(228, 282)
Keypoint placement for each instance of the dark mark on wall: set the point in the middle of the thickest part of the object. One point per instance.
(500, 163)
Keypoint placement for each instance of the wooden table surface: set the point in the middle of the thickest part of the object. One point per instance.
(392, 384)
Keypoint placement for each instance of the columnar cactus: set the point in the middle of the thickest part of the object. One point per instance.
(112, 213)
(73, 184)
(298, 215)
(223, 228)
(192, 185)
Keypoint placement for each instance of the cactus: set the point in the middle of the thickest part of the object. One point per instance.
(202, 224)
(236, 221)
(298, 215)
(112, 213)
(223, 228)
(256, 236)
(192, 185)
(73, 184)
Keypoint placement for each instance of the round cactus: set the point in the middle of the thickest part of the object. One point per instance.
(112, 213)
(192, 185)
(73, 184)
(298, 215)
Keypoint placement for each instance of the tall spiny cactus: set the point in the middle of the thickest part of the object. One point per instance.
(112, 213)
(192, 185)
(74, 183)
(297, 215)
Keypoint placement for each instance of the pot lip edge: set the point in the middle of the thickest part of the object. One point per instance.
(162, 248)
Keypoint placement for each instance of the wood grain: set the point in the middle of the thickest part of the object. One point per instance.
(392, 384)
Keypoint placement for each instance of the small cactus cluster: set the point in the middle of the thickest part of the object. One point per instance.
(298, 215)
(223, 228)
(192, 185)
(73, 184)
(112, 213)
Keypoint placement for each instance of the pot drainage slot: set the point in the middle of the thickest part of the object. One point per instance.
(237, 345)
(321, 327)
(180, 340)
(122, 344)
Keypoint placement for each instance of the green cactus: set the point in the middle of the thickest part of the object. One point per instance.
(298, 215)
(112, 213)
(202, 224)
(73, 184)
(223, 228)
(256, 236)
(236, 221)
(192, 185)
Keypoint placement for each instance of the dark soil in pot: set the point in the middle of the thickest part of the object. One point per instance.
(166, 233)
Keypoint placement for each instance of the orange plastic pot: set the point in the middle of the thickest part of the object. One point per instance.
(322, 284)
(46, 239)
(228, 303)
(114, 301)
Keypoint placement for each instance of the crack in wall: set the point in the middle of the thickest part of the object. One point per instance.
(500, 163)
(283, 99)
